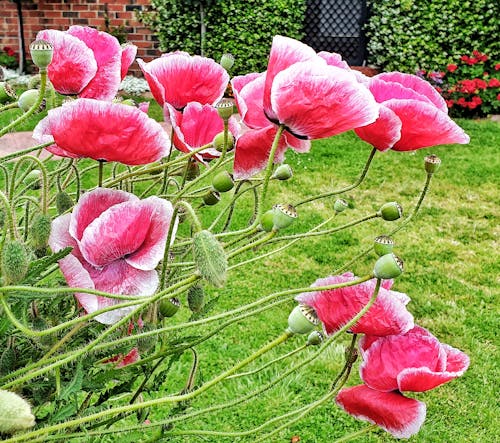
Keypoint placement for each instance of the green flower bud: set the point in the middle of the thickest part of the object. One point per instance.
(223, 181)
(211, 198)
(388, 266)
(28, 98)
(225, 108)
(41, 53)
(383, 245)
(283, 172)
(7, 94)
(14, 262)
(340, 205)
(15, 413)
(169, 307)
(210, 258)
(63, 202)
(432, 163)
(284, 216)
(40, 230)
(315, 338)
(196, 298)
(2, 217)
(227, 61)
(390, 211)
(34, 179)
(267, 220)
(193, 170)
(302, 319)
(7, 361)
(218, 141)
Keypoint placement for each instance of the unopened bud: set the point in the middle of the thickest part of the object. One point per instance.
(40, 230)
(196, 298)
(390, 211)
(388, 266)
(193, 170)
(34, 179)
(15, 413)
(28, 99)
(210, 258)
(432, 163)
(63, 202)
(41, 53)
(14, 262)
(283, 172)
(169, 306)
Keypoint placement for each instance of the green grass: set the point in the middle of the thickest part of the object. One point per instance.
(451, 272)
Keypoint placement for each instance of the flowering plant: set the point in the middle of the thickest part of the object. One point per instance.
(8, 57)
(106, 288)
(471, 86)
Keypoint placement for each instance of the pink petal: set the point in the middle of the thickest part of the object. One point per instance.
(334, 59)
(416, 84)
(91, 205)
(385, 90)
(424, 125)
(129, 51)
(314, 100)
(400, 416)
(117, 232)
(108, 53)
(336, 307)
(61, 238)
(151, 251)
(423, 379)
(284, 53)
(185, 79)
(73, 64)
(384, 132)
(144, 107)
(132, 357)
(389, 356)
(104, 131)
(249, 94)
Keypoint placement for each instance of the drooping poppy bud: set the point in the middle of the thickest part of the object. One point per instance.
(169, 307)
(14, 261)
(28, 98)
(196, 298)
(33, 179)
(63, 202)
(40, 230)
(210, 258)
(15, 413)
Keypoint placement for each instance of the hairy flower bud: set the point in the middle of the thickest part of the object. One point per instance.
(34, 179)
(63, 202)
(14, 261)
(15, 413)
(40, 230)
(41, 53)
(383, 245)
(196, 298)
(302, 319)
(28, 98)
(169, 307)
(223, 181)
(388, 266)
(390, 211)
(210, 258)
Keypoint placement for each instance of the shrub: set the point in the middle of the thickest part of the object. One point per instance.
(9, 58)
(408, 34)
(243, 28)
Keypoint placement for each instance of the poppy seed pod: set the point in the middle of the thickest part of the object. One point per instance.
(7, 94)
(340, 205)
(33, 179)
(211, 198)
(210, 258)
(302, 319)
(225, 109)
(432, 163)
(223, 181)
(15, 413)
(383, 245)
(227, 61)
(41, 53)
(284, 216)
(28, 98)
(315, 338)
(168, 307)
(283, 172)
(390, 211)
(218, 141)
(388, 266)
(267, 220)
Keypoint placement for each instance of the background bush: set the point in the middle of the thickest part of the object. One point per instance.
(244, 28)
(405, 35)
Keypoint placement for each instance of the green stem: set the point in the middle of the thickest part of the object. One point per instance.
(24, 151)
(101, 172)
(9, 214)
(194, 218)
(359, 433)
(254, 244)
(347, 188)
(9, 106)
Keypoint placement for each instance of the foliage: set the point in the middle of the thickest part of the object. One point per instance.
(9, 58)
(471, 86)
(240, 27)
(408, 34)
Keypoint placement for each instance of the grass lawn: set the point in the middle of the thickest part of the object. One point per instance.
(451, 275)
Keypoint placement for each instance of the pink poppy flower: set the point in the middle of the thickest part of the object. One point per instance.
(413, 115)
(121, 360)
(415, 361)
(87, 62)
(197, 126)
(103, 131)
(118, 240)
(336, 307)
(399, 415)
(178, 78)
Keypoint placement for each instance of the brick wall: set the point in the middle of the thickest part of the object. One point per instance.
(60, 14)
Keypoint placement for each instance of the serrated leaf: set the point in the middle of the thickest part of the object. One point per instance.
(37, 267)
(74, 385)
(63, 413)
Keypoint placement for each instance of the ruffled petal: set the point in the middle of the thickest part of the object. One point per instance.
(249, 95)
(104, 131)
(384, 132)
(424, 125)
(285, 52)
(423, 379)
(156, 88)
(314, 100)
(400, 416)
(129, 51)
(389, 356)
(107, 52)
(336, 307)
(91, 205)
(73, 63)
(60, 237)
(334, 59)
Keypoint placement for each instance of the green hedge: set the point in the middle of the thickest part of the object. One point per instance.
(244, 28)
(405, 35)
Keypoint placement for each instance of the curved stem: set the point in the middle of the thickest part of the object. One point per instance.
(24, 151)
(359, 433)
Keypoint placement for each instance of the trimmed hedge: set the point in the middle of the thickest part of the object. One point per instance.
(244, 28)
(405, 35)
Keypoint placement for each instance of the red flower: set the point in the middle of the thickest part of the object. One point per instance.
(335, 307)
(497, 67)
(477, 100)
(178, 78)
(494, 83)
(118, 240)
(498, 97)
(464, 58)
(450, 103)
(471, 105)
(103, 131)
(452, 68)
(480, 83)
(87, 62)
